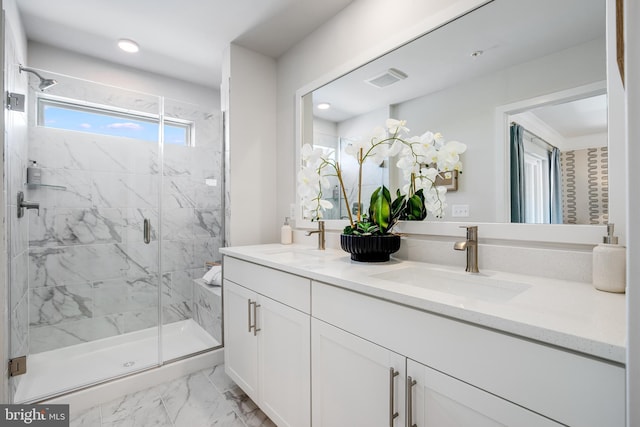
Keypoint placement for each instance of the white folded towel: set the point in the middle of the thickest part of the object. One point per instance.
(213, 276)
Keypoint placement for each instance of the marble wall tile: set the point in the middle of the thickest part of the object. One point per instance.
(110, 297)
(67, 265)
(60, 304)
(124, 156)
(143, 293)
(207, 309)
(51, 337)
(141, 259)
(178, 255)
(20, 328)
(119, 190)
(208, 196)
(19, 281)
(42, 228)
(208, 223)
(179, 161)
(143, 319)
(75, 194)
(135, 217)
(178, 223)
(181, 284)
(208, 321)
(90, 226)
(178, 192)
(19, 232)
(59, 149)
(206, 249)
(174, 312)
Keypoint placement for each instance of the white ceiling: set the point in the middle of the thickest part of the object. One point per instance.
(182, 39)
(508, 32)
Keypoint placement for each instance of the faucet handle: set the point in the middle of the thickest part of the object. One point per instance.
(472, 231)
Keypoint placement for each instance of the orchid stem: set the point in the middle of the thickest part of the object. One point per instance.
(360, 185)
(344, 194)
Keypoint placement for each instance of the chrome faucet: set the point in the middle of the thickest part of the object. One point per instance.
(320, 232)
(471, 246)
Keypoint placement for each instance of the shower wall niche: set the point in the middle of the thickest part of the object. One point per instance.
(89, 276)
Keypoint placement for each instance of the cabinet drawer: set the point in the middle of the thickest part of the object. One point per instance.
(286, 288)
(567, 387)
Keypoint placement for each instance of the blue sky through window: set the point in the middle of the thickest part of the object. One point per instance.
(126, 126)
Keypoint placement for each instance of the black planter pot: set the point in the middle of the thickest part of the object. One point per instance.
(370, 248)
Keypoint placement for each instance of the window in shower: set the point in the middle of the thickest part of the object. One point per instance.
(77, 116)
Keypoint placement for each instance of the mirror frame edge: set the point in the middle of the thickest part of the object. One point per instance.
(548, 233)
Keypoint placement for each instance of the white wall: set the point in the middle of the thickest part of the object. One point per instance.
(251, 147)
(466, 113)
(362, 31)
(65, 62)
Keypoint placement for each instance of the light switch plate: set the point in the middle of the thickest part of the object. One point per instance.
(460, 211)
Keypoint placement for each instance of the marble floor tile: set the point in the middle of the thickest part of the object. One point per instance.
(144, 408)
(90, 418)
(193, 400)
(205, 398)
(220, 379)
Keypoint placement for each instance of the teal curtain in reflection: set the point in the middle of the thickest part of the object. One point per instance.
(555, 183)
(517, 173)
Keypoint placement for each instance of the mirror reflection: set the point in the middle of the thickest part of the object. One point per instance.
(455, 79)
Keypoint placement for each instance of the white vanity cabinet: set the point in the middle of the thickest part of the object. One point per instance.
(438, 400)
(355, 382)
(465, 374)
(358, 383)
(267, 335)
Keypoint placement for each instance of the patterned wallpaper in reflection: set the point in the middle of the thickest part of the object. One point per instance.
(585, 186)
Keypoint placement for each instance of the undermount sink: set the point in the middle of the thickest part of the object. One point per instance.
(473, 285)
(295, 255)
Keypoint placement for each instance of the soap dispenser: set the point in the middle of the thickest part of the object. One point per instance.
(609, 264)
(286, 234)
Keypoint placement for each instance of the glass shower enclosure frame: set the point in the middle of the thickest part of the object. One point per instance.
(104, 268)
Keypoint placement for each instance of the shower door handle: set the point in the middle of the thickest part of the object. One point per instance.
(147, 231)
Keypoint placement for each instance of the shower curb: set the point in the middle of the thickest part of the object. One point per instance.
(81, 400)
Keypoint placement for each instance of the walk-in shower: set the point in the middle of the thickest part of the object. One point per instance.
(104, 277)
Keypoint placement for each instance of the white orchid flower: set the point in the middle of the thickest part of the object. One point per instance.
(353, 148)
(397, 126)
(310, 154)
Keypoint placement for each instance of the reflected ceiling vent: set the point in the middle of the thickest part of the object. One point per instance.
(387, 78)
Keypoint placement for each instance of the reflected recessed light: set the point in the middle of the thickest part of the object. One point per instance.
(324, 106)
(128, 45)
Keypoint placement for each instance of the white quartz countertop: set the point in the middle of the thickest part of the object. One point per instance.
(566, 314)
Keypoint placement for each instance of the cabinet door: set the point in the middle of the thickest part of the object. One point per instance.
(438, 400)
(284, 363)
(240, 344)
(353, 384)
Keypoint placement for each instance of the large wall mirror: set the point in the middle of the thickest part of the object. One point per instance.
(536, 64)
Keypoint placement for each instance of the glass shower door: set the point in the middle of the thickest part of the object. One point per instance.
(85, 277)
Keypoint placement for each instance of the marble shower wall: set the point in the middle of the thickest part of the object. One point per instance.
(91, 276)
(16, 228)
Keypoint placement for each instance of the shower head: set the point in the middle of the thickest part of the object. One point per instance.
(44, 83)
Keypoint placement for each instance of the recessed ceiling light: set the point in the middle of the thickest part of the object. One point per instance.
(128, 45)
(324, 106)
